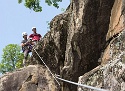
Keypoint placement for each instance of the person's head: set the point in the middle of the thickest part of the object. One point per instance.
(34, 29)
(24, 34)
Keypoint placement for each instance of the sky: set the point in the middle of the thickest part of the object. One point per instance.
(16, 18)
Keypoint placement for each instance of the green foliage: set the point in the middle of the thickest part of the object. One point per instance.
(32, 4)
(48, 23)
(35, 4)
(19, 63)
(62, 9)
(11, 58)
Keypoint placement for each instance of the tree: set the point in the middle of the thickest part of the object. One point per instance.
(35, 4)
(11, 58)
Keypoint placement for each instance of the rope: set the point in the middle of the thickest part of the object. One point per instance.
(90, 87)
(56, 77)
(47, 67)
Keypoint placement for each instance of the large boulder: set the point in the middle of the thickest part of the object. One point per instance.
(31, 78)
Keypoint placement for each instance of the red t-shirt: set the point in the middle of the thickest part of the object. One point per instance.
(35, 37)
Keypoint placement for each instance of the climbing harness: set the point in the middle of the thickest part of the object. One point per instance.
(56, 77)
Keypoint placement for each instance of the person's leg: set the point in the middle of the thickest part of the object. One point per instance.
(25, 57)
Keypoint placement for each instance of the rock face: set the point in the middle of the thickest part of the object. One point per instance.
(87, 32)
(110, 76)
(76, 39)
(116, 25)
(31, 78)
(111, 73)
(117, 19)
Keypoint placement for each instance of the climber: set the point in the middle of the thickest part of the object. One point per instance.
(35, 36)
(26, 47)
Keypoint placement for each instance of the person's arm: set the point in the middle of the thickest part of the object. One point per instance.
(31, 36)
(32, 43)
(40, 36)
(24, 43)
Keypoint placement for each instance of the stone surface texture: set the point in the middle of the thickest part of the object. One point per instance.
(85, 44)
(31, 78)
(110, 74)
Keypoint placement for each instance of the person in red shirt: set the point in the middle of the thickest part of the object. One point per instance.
(35, 36)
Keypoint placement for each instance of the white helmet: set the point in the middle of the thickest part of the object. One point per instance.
(24, 33)
(33, 28)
